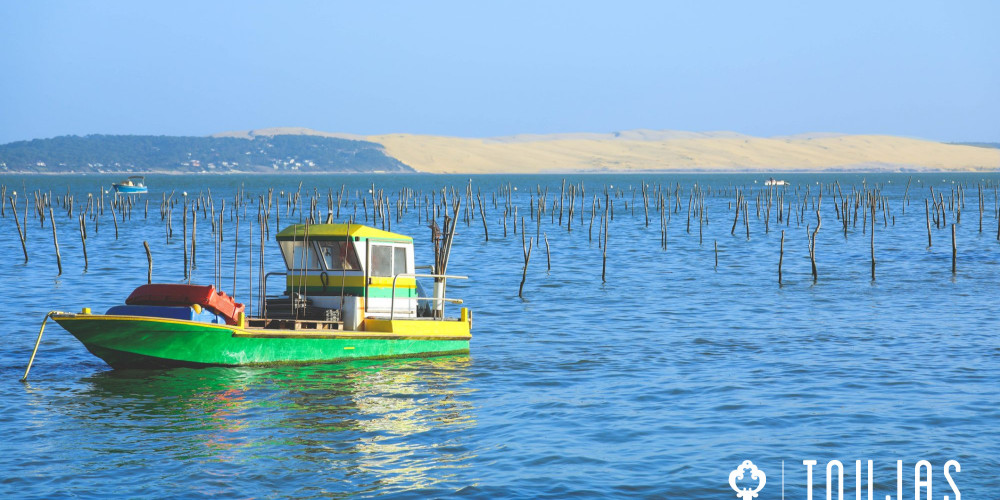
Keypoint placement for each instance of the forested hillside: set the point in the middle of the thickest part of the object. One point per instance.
(139, 153)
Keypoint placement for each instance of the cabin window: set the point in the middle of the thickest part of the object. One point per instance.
(398, 260)
(381, 260)
(297, 257)
(338, 255)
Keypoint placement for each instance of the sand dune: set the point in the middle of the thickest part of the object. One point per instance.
(654, 150)
(722, 152)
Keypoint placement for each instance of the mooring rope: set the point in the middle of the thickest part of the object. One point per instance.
(37, 342)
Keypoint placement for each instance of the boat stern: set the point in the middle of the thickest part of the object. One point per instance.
(460, 328)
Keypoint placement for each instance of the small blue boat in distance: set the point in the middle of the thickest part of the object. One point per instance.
(133, 185)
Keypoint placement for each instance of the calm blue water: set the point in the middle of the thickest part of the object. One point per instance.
(655, 384)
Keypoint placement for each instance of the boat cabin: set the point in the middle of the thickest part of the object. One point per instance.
(134, 181)
(351, 269)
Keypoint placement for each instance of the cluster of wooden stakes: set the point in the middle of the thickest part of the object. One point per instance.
(661, 203)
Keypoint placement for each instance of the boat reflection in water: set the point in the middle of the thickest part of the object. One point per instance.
(361, 425)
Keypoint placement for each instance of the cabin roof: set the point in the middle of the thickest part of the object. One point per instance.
(337, 232)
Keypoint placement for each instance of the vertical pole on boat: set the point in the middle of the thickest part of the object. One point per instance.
(261, 276)
(194, 234)
(343, 266)
(149, 263)
(250, 265)
(218, 246)
(442, 255)
(236, 247)
(184, 232)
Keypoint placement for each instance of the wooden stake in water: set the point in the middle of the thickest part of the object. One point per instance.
(482, 215)
(526, 251)
(24, 248)
(604, 258)
(83, 241)
(55, 240)
(872, 200)
(548, 258)
(746, 218)
(954, 250)
(739, 206)
(981, 208)
(812, 246)
(927, 214)
(781, 255)
(149, 263)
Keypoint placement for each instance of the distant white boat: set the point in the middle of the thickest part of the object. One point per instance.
(135, 184)
(776, 182)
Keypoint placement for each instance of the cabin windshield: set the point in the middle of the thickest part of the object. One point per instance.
(321, 255)
(297, 257)
(338, 256)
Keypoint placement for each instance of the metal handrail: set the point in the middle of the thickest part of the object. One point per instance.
(263, 293)
(392, 306)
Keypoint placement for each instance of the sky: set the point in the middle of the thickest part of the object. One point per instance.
(493, 68)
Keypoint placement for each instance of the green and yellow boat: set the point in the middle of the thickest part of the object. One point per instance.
(350, 293)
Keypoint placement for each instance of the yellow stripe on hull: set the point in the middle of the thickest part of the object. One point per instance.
(372, 328)
(420, 327)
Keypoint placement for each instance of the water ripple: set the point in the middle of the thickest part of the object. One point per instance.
(655, 383)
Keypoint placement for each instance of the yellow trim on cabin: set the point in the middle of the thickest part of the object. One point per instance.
(328, 231)
(317, 281)
(382, 282)
(314, 280)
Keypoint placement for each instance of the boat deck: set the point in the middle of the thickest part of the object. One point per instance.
(293, 324)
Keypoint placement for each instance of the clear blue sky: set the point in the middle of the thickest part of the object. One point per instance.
(478, 68)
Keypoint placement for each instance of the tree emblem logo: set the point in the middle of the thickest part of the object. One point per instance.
(745, 493)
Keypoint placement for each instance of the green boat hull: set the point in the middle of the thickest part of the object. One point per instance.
(140, 342)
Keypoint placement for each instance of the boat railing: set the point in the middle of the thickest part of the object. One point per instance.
(263, 293)
(443, 300)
